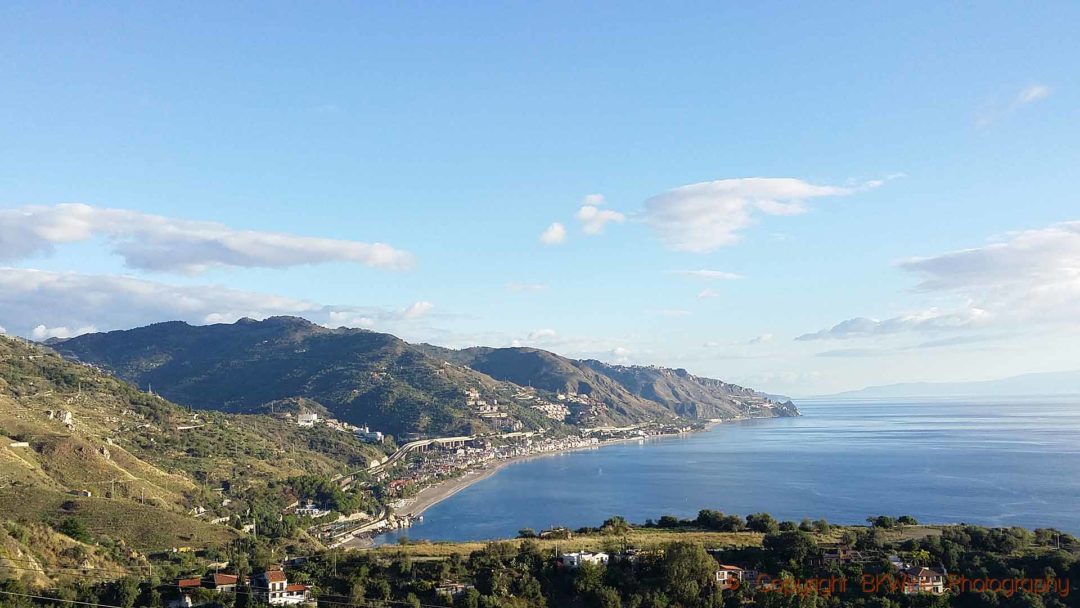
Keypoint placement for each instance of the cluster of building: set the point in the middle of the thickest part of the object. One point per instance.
(556, 411)
(447, 463)
(310, 419)
(270, 586)
(487, 409)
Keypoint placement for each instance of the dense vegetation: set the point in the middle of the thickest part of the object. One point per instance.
(364, 377)
(677, 573)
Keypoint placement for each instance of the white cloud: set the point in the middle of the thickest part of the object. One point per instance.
(762, 339)
(708, 215)
(924, 321)
(710, 275)
(158, 243)
(2, 330)
(417, 310)
(1024, 279)
(61, 301)
(555, 234)
(1001, 109)
(525, 287)
(539, 337)
(349, 319)
(1033, 93)
(593, 219)
(41, 332)
(708, 293)
(594, 200)
(1044, 259)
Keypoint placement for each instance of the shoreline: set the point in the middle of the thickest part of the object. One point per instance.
(434, 494)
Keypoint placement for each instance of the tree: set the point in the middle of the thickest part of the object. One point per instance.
(907, 520)
(806, 525)
(607, 597)
(668, 521)
(526, 533)
(76, 529)
(793, 547)
(882, 521)
(687, 570)
(616, 525)
(762, 522)
(821, 526)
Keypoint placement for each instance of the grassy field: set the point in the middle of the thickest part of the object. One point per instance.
(143, 528)
(641, 538)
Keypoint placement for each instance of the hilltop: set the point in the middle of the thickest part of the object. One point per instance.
(366, 377)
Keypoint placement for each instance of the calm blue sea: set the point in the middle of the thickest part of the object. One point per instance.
(994, 463)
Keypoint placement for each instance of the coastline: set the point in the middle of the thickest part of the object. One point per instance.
(432, 495)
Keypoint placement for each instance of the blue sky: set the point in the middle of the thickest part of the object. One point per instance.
(199, 136)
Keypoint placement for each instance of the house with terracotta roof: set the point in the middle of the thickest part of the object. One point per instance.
(272, 587)
(733, 577)
(919, 579)
(223, 583)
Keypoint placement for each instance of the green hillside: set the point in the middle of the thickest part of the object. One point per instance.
(364, 377)
(134, 468)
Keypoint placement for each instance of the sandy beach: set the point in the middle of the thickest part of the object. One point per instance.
(432, 495)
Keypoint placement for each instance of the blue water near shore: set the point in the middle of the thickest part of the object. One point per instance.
(998, 463)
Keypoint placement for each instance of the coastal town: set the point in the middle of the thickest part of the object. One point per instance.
(424, 471)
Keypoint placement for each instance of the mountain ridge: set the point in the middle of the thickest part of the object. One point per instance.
(1032, 384)
(367, 377)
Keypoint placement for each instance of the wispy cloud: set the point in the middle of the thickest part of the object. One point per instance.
(593, 219)
(417, 310)
(709, 275)
(924, 321)
(1025, 278)
(1033, 93)
(1027, 96)
(555, 234)
(706, 216)
(158, 243)
(47, 304)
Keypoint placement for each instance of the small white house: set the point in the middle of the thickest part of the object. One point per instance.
(311, 510)
(574, 560)
(272, 587)
(307, 419)
(368, 435)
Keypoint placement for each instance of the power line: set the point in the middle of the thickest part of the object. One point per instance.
(56, 599)
(79, 568)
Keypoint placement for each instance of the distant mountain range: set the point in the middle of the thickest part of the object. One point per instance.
(1049, 383)
(365, 377)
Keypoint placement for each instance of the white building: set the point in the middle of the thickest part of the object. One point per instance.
(366, 434)
(917, 579)
(272, 587)
(311, 510)
(307, 419)
(574, 560)
(732, 577)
